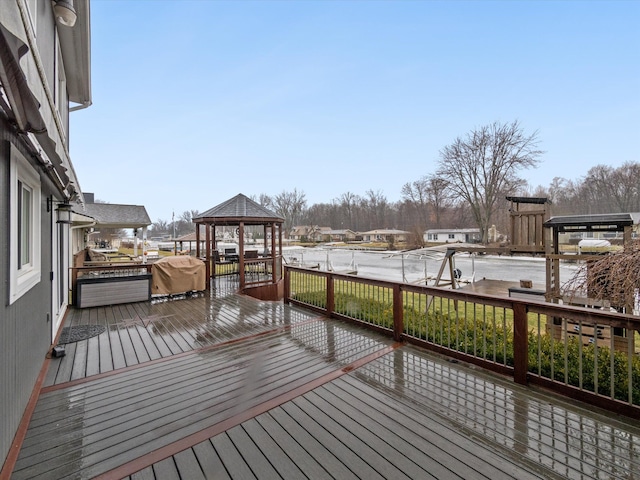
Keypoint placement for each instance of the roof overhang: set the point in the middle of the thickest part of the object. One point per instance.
(81, 220)
(75, 43)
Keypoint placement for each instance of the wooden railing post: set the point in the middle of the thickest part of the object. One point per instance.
(520, 344)
(287, 284)
(331, 299)
(398, 313)
(74, 285)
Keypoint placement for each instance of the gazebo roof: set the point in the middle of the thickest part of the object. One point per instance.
(238, 209)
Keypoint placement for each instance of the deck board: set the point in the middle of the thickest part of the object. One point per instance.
(144, 474)
(311, 445)
(304, 460)
(106, 355)
(278, 458)
(166, 470)
(116, 350)
(231, 458)
(209, 461)
(93, 356)
(270, 381)
(253, 456)
(79, 369)
(359, 457)
(187, 465)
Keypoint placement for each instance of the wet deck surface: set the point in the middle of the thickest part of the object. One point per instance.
(230, 387)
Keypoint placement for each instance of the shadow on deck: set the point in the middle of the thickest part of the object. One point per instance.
(225, 386)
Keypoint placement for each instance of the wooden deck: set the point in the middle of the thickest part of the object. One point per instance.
(224, 386)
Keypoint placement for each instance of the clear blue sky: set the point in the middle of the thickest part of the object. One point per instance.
(195, 101)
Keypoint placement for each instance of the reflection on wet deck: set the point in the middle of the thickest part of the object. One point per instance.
(229, 387)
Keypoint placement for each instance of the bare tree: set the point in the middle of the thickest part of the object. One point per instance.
(290, 206)
(376, 208)
(416, 194)
(160, 227)
(481, 167)
(614, 190)
(439, 197)
(349, 201)
(264, 200)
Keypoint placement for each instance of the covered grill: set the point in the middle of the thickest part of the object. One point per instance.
(171, 275)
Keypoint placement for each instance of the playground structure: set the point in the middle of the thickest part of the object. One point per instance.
(527, 217)
(534, 232)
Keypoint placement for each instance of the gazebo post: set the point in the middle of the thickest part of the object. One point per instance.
(274, 257)
(208, 254)
(241, 254)
(215, 247)
(197, 240)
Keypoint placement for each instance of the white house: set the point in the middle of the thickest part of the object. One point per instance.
(452, 235)
(385, 235)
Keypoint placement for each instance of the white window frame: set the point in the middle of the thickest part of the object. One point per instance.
(24, 277)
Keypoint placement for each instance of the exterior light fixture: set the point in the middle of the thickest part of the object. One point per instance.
(64, 213)
(64, 12)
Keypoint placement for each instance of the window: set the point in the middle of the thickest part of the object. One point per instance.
(25, 226)
(452, 236)
(25, 207)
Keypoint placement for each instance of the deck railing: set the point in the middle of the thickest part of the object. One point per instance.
(584, 353)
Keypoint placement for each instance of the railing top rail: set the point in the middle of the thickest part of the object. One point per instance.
(123, 266)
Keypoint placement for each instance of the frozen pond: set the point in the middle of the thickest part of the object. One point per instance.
(411, 267)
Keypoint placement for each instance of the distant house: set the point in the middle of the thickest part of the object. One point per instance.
(452, 235)
(45, 59)
(344, 235)
(309, 233)
(385, 235)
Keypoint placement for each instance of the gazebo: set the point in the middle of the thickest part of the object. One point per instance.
(241, 212)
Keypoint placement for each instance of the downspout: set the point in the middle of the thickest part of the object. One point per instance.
(82, 106)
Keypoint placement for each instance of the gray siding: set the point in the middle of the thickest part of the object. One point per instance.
(25, 328)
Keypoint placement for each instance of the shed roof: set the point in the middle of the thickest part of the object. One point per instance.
(238, 209)
(598, 222)
(111, 215)
(532, 200)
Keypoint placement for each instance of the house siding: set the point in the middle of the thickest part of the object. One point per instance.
(25, 325)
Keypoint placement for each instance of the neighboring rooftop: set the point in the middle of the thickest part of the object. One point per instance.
(113, 215)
